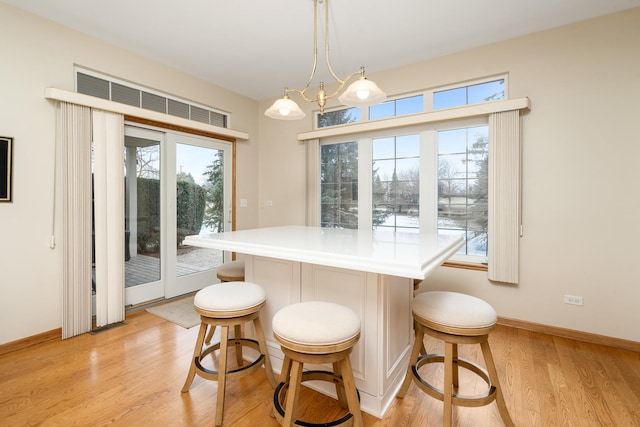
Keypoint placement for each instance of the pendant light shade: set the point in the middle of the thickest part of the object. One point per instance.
(285, 109)
(362, 93)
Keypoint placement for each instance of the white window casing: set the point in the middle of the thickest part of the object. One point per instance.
(313, 182)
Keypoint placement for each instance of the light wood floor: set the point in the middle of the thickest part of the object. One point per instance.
(132, 375)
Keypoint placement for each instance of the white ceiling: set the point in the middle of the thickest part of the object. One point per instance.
(257, 47)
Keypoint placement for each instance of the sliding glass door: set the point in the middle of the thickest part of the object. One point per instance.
(144, 215)
(175, 185)
(199, 194)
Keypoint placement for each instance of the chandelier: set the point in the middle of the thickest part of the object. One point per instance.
(360, 93)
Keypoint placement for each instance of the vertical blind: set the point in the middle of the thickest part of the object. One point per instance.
(73, 150)
(504, 196)
(76, 127)
(108, 145)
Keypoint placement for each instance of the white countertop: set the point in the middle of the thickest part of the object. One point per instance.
(412, 255)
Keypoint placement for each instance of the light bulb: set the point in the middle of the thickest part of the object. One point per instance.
(284, 109)
(362, 94)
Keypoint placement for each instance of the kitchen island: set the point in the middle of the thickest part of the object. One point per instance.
(372, 272)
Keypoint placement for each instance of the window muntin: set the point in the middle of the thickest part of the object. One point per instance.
(339, 185)
(470, 94)
(463, 155)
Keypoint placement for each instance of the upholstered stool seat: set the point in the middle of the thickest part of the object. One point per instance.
(455, 319)
(229, 304)
(232, 271)
(316, 333)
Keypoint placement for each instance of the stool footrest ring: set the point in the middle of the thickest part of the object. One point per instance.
(245, 369)
(460, 400)
(278, 398)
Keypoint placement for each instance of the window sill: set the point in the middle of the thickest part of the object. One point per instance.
(466, 265)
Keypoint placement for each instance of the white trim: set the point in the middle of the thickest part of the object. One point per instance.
(467, 111)
(128, 110)
(313, 183)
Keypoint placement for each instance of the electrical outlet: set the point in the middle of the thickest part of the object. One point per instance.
(573, 300)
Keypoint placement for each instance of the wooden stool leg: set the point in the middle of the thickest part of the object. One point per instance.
(212, 330)
(196, 353)
(493, 375)
(418, 345)
(285, 373)
(337, 371)
(263, 349)
(455, 379)
(447, 414)
(237, 334)
(222, 374)
(292, 394)
(350, 390)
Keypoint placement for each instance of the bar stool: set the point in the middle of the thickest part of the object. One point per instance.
(316, 332)
(229, 304)
(455, 319)
(232, 271)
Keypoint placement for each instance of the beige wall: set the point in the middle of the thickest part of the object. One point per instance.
(37, 54)
(581, 148)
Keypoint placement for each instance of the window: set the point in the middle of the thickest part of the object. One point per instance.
(455, 186)
(457, 169)
(476, 92)
(471, 94)
(339, 185)
(498, 123)
(397, 107)
(391, 108)
(463, 157)
(338, 117)
(396, 182)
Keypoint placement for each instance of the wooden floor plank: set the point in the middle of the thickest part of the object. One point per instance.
(132, 375)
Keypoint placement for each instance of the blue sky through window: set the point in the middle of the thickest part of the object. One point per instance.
(472, 94)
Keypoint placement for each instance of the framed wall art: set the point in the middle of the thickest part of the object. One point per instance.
(6, 163)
